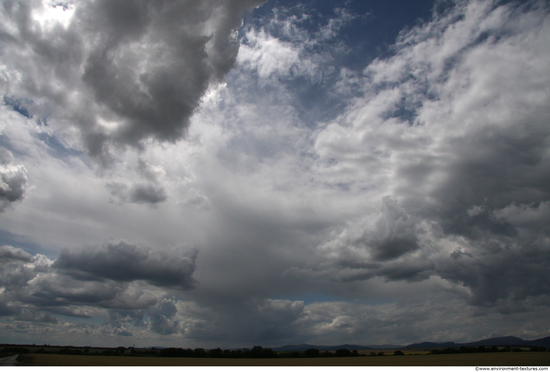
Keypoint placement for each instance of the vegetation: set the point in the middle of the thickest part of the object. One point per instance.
(255, 352)
(466, 359)
(121, 356)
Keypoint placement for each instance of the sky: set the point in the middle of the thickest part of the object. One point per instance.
(246, 172)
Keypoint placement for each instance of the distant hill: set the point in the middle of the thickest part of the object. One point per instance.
(303, 347)
(430, 345)
(541, 342)
(497, 341)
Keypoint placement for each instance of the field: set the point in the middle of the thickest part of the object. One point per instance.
(474, 359)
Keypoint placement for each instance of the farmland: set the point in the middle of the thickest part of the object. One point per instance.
(526, 358)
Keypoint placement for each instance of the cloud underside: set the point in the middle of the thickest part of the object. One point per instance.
(418, 207)
(13, 180)
(118, 72)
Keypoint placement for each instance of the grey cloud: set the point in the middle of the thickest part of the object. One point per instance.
(122, 332)
(493, 169)
(13, 180)
(511, 276)
(196, 201)
(263, 322)
(395, 232)
(73, 310)
(139, 193)
(150, 192)
(125, 318)
(150, 173)
(123, 261)
(83, 283)
(61, 291)
(161, 317)
(532, 216)
(18, 267)
(36, 316)
(469, 166)
(363, 251)
(141, 64)
(5, 156)
(11, 253)
(147, 193)
(278, 318)
(65, 295)
(7, 310)
(457, 254)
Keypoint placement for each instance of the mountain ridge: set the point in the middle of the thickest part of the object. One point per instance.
(495, 341)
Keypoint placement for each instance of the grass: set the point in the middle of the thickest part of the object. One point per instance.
(481, 359)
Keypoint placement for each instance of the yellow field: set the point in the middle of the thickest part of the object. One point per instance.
(485, 359)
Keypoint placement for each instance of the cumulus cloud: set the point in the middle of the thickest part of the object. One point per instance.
(394, 235)
(16, 254)
(415, 209)
(123, 261)
(162, 318)
(13, 180)
(148, 190)
(118, 72)
(459, 147)
(84, 284)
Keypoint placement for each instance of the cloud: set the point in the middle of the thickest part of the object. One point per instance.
(394, 235)
(83, 284)
(123, 261)
(446, 129)
(140, 193)
(119, 72)
(35, 316)
(147, 189)
(403, 200)
(13, 180)
(161, 318)
(8, 253)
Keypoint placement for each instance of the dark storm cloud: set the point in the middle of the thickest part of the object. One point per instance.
(123, 262)
(143, 65)
(13, 180)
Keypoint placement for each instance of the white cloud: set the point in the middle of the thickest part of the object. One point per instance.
(268, 55)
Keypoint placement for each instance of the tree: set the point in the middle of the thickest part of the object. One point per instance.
(311, 353)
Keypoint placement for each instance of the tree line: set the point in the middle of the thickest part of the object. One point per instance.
(255, 352)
